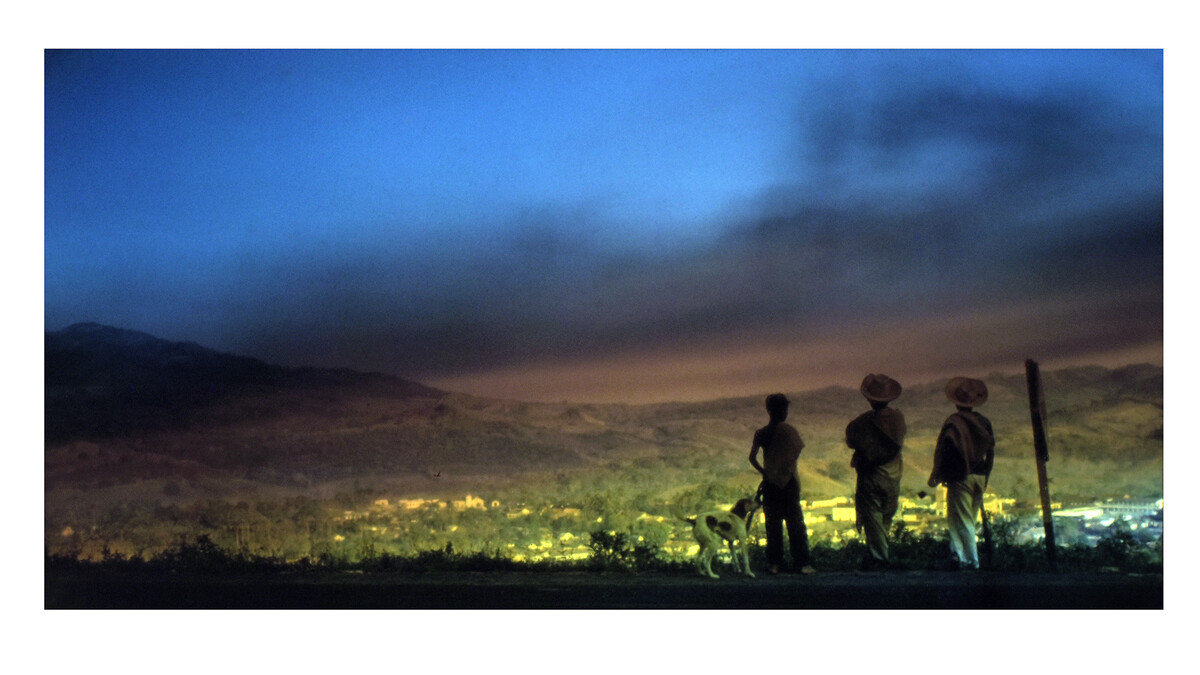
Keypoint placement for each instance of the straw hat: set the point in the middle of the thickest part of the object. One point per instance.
(966, 391)
(880, 388)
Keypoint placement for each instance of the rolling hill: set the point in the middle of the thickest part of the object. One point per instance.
(128, 413)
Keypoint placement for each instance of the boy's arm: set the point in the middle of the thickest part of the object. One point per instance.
(754, 446)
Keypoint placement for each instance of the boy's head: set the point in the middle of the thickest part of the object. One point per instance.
(777, 407)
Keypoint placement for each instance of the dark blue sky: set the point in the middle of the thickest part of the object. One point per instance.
(613, 225)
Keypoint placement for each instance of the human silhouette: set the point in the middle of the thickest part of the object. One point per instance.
(877, 437)
(781, 445)
(962, 461)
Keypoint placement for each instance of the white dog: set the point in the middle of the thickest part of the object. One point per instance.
(714, 527)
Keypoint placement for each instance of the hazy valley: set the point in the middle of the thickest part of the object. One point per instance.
(133, 422)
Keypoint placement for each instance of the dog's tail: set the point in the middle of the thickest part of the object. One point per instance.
(678, 513)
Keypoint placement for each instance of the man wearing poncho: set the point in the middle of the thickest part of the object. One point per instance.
(962, 461)
(876, 437)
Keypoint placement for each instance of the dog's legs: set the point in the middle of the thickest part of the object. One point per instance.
(706, 555)
(733, 557)
(746, 557)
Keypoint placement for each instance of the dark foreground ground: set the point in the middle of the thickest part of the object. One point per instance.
(100, 589)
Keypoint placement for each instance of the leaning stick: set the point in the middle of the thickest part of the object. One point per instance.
(1037, 413)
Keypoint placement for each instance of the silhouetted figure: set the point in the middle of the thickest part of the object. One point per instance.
(876, 437)
(781, 445)
(962, 461)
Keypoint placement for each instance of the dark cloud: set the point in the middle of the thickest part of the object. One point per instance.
(546, 301)
(984, 152)
(1025, 195)
(907, 202)
(544, 288)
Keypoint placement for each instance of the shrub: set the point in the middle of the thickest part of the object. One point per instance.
(617, 550)
(620, 551)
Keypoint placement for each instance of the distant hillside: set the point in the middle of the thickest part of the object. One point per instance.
(124, 407)
(104, 382)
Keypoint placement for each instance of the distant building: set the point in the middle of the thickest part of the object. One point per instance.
(1126, 507)
(996, 504)
(1083, 512)
(1113, 509)
(843, 514)
(468, 503)
(827, 503)
(1099, 520)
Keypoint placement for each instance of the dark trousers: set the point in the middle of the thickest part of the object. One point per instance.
(780, 505)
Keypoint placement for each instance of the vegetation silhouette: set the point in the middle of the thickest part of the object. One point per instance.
(1119, 552)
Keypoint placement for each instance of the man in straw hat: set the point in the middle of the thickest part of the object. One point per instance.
(781, 445)
(962, 461)
(876, 437)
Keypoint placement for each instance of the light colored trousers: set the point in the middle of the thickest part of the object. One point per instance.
(963, 500)
(876, 500)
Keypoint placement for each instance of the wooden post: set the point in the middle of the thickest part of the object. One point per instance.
(1037, 414)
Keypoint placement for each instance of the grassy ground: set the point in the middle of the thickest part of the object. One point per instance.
(1118, 574)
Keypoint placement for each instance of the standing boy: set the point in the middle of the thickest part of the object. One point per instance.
(781, 446)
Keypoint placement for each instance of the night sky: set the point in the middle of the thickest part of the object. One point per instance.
(614, 225)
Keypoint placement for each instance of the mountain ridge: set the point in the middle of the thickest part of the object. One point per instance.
(105, 381)
(123, 406)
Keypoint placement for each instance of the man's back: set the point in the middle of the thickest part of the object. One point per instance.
(876, 437)
(781, 444)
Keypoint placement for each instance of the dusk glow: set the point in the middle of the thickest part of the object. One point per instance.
(614, 225)
(601, 306)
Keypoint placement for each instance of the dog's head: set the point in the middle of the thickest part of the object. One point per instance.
(746, 508)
